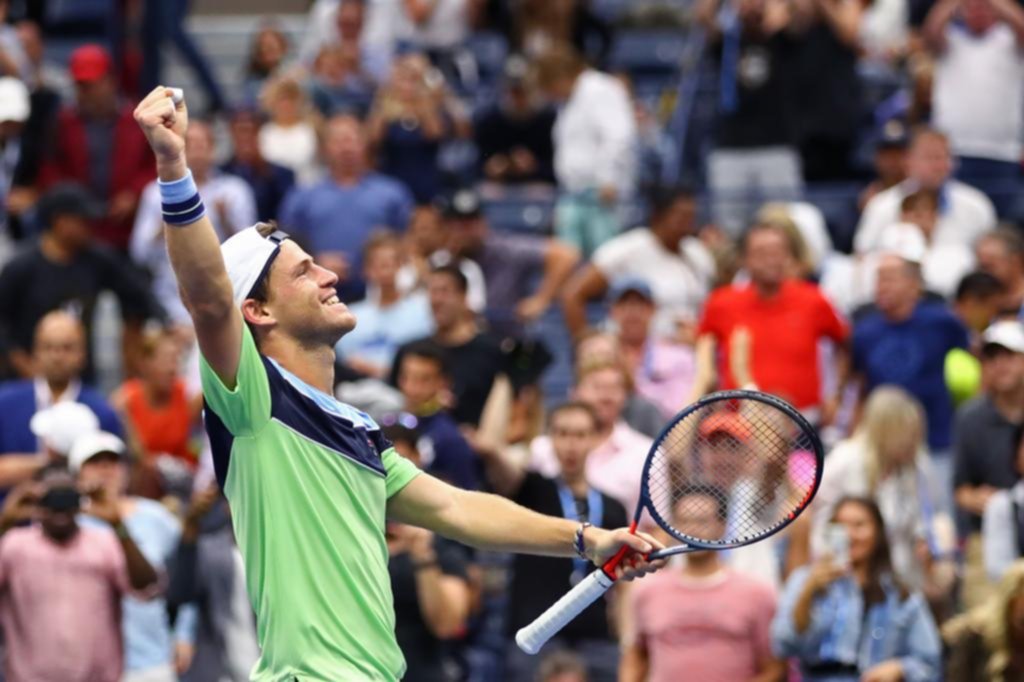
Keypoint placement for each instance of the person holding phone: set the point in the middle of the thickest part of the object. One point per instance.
(61, 583)
(856, 623)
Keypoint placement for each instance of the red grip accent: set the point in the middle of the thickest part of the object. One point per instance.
(613, 563)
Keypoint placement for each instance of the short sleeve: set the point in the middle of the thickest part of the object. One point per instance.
(245, 409)
(830, 324)
(612, 257)
(400, 471)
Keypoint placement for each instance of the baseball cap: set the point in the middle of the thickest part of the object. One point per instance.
(464, 203)
(14, 104)
(893, 135)
(68, 198)
(61, 425)
(89, 63)
(730, 423)
(629, 285)
(89, 445)
(1008, 334)
(248, 256)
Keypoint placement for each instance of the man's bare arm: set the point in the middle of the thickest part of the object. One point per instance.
(194, 249)
(584, 286)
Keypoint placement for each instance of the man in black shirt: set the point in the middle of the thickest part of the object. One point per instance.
(537, 582)
(66, 270)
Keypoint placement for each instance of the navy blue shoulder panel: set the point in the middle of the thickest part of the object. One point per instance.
(220, 444)
(303, 415)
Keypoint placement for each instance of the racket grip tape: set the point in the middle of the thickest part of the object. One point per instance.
(531, 638)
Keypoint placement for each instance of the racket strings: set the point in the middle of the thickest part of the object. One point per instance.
(731, 472)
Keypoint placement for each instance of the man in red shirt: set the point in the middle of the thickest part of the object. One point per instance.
(96, 143)
(765, 332)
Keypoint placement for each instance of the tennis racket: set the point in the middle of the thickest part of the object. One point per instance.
(730, 470)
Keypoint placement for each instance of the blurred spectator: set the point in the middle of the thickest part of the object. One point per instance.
(1001, 254)
(164, 21)
(289, 137)
(755, 152)
(537, 582)
(889, 161)
(62, 584)
(375, 27)
(269, 182)
(472, 356)
(14, 112)
(667, 256)
(423, 379)
(510, 263)
(702, 618)
(740, 327)
(387, 317)
(538, 25)
(663, 372)
(856, 622)
(986, 430)
(886, 460)
(208, 573)
(905, 342)
(161, 413)
(430, 584)
(58, 357)
(268, 55)
(66, 270)
(828, 95)
(513, 135)
(97, 143)
(942, 265)
(594, 141)
(562, 666)
(13, 60)
(988, 640)
(98, 461)
(42, 74)
(338, 83)
(977, 302)
(615, 463)
(336, 215)
(232, 208)
(407, 125)
(1002, 525)
(964, 212)
(426, 246)
(441, 28)
(978, 95)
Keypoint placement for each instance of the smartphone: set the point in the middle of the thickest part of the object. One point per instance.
(837, 543)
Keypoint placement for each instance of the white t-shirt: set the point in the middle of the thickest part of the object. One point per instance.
(967, 215)
(883, 27)
(679, 280)
(978, 93)
(595, 136)
(294, 147)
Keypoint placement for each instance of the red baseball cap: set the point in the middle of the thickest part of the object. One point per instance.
(89, 63)
(730, 423)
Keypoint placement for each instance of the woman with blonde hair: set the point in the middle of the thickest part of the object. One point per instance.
(886, 460)
(988, 642)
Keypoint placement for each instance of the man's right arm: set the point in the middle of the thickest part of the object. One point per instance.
(588, 284)
(194, 249)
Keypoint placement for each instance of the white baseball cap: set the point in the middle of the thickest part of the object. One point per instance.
(1006, 333)
(248, 256)
(61, 425)
(91, 444)
(14, 102)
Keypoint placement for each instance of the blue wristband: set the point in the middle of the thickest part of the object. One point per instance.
(180, 201)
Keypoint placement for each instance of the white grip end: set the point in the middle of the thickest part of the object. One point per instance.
(531, 638)
(177, 95)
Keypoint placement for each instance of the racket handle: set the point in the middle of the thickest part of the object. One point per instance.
(531, 638)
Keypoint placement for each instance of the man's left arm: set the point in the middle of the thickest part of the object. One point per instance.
(490, 522)
(558, 261)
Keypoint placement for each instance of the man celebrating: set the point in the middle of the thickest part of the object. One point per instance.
(310, 479)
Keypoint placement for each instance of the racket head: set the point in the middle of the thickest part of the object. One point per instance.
(734, 468)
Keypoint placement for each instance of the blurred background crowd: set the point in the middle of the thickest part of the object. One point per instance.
(558, 222)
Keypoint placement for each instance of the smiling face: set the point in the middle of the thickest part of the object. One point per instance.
(862, 530)
(302, 303)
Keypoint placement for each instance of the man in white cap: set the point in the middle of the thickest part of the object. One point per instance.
(14, 110)
(310, 479)
(97, 459)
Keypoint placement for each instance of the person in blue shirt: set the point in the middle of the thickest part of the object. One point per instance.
(270, 182)
(58, 357)
(847, 619)
(905, 342)
(335, 216)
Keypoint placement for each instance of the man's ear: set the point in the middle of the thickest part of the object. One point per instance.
(256, 313)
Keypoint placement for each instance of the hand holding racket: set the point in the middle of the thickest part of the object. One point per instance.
(730, 470)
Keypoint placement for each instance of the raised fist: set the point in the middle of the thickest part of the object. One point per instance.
(164, 124)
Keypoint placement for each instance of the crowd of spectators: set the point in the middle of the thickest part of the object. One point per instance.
(117, 560)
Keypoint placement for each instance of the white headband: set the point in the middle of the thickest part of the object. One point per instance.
(248, 256)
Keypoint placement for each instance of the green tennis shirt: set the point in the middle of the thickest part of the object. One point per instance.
(308, 479)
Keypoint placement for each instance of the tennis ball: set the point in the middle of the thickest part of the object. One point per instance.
(963, 375)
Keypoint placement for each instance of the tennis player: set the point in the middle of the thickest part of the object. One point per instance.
(311, 480)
